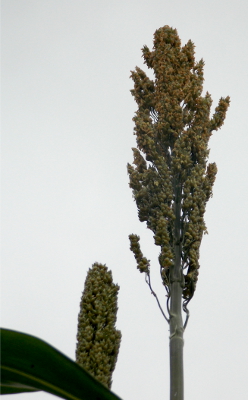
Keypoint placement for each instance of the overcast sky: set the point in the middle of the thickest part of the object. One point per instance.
(67, 134)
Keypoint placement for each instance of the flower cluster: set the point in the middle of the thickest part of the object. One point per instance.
(142, 263)
(170, 178)
(98, 341)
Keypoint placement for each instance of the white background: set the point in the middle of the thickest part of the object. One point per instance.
(67, 137)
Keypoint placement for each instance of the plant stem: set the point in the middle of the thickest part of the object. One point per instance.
(176, 343)
(176, 321)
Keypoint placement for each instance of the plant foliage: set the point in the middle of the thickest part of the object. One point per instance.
(29, 364)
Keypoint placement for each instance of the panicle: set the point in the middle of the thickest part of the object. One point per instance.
(173, 128)
(98, 341)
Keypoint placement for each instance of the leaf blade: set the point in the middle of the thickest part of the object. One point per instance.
(30, 364)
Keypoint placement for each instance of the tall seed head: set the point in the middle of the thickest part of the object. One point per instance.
(172, 128)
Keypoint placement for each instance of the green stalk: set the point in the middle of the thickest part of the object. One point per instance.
(176, 321)
(176, 343)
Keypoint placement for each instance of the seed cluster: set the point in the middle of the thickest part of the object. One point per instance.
(172, 128)
(98, 341)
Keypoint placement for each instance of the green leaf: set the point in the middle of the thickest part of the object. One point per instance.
(28, 364)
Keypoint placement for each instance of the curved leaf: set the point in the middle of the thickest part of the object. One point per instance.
(30, 364)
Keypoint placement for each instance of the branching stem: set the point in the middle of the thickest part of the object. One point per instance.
(148, 281)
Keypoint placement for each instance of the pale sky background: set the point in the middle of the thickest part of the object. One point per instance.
(67, 134)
